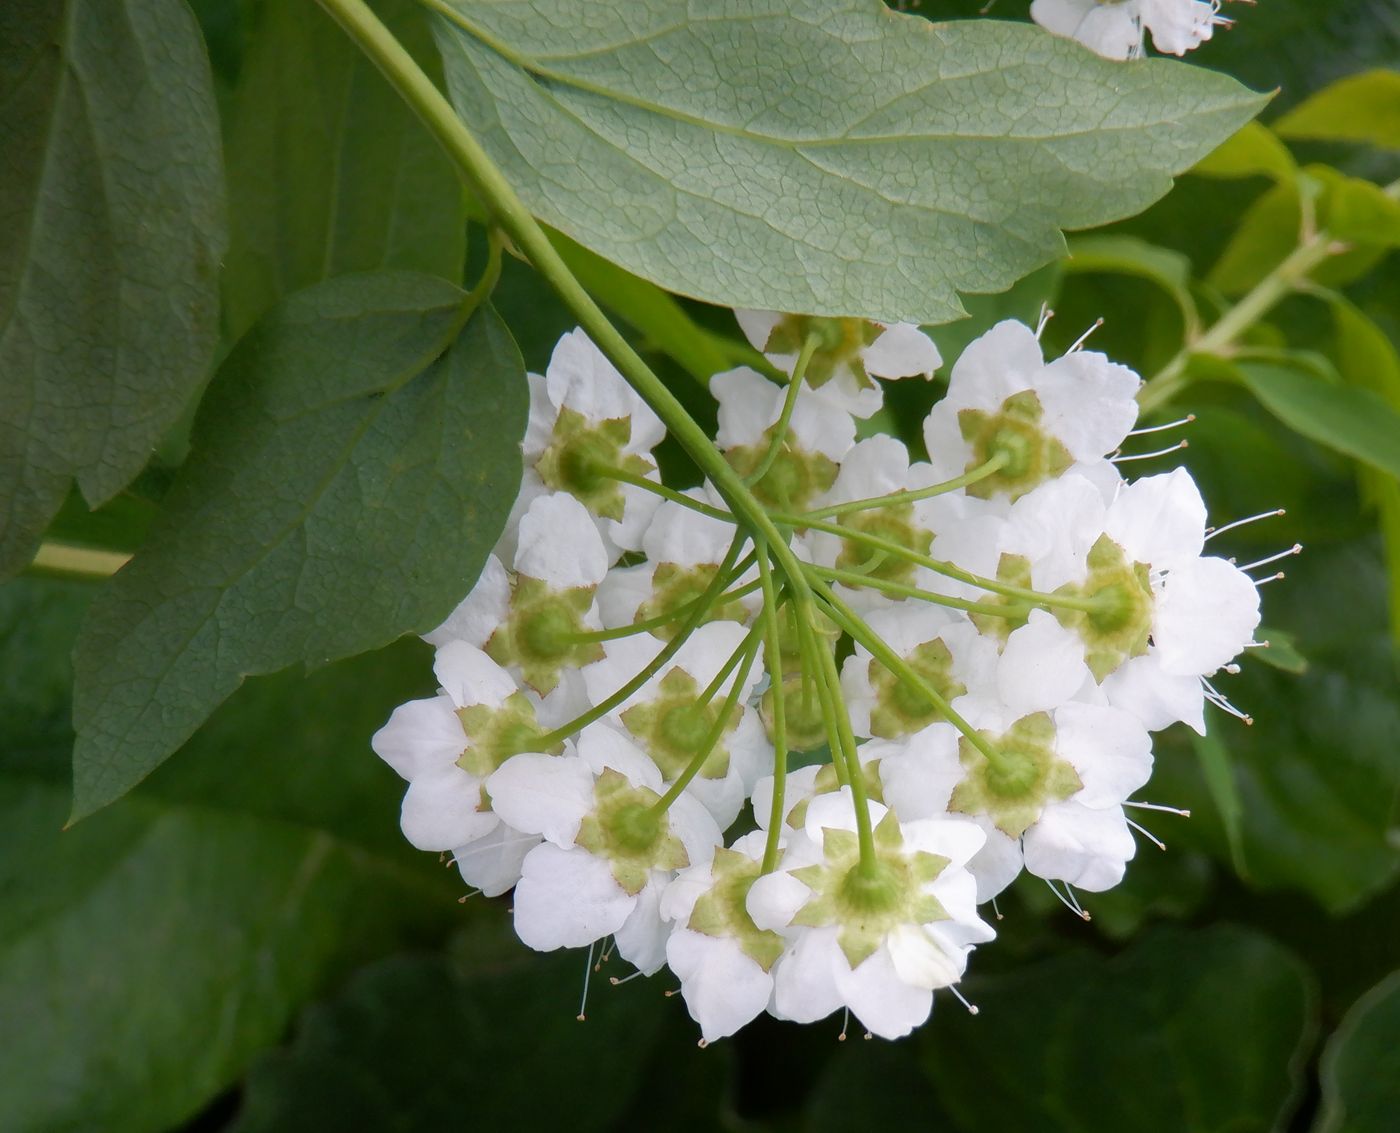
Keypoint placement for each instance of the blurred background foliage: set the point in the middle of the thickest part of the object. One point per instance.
(246, 943)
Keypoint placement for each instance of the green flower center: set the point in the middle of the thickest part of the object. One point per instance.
(1030, 455)
(1121, 622)
(804, 726)
(722, 911)
(894, 524)
(673, 586)
(1025, 778)
(580, 456)
(673, 726)
(900, 708)
(793, 480)
(624, 828)
(839, 345)
(541, 633)
(496, 734)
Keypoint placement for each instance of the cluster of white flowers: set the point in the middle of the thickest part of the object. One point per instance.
(961, 658)
(1115, 28)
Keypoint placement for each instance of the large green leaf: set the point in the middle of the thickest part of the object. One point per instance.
(1357, 422)
(828, 156)
(354, 462)
(329, 171)
(112, 202)
(148, 953)
(1358, 108)
(418, 1044)
(1185, 1030)
(1360, 1082)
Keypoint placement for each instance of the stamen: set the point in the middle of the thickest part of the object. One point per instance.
(1163, 428)
(972, 1008)
(1069, 901)
(1046, 314)
(1215, 697)
(1083, 338)
(607, 954)
(1160, 807)
(1256, 645)
(1279, 577)
(1123, 458)
(1296, 549)
(1212, 532)
(619, 981)
(845, 1022)
(587, 974)
(1231, 668)
(462, 900)
(1146, 833)
(703, 1043)
(996, 912)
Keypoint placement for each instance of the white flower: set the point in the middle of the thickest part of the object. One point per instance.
(606, 856)
(1040, 418)
(666, 719)
(535, 618)
(1114, 28)
(584, 420)
(850, 354)
(445, 747)
(819, 436)
(723, 960)
(879, 948)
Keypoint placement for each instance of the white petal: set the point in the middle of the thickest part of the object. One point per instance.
(1042, 665)
(601, 746)
(722, 986)
(492, 863)
(883, 1002)
(481, 612)
(469, 676)
(560, 545)
(774, 900)
(1003, 361)
(623, 658)
(567, 899)
(996, 864)
(542, 794)
(757, 325)
(1207, 612)
(641, 940)
(420, 737)
(440, 810)
(919, 781)
(1090, 403)
(902, 351)
(1159, 520)
(919, 961)
(1088, 848)
(1156, 698)
(693, 825)
(748, 404)
(804, 979)
(1109, 748)
(622, 591)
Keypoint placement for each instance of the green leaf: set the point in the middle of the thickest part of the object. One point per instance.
(1203, 1031)
(1360, 1088)
(1358, 108)
(1254, 151)
(329, 170)
(152, 950)
(1262, 240)
(1279, 650)
(1353, 421)
(824, 156)
(354, 462)
(113, 202)
(1127, 255)
(1220, 781)
(417, 1044)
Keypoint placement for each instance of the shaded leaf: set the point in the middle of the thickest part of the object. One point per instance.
(416, 1044)
(354, 463)
(1254, 151)
(1220, 781)
(151, 951)
(1358, 108)
(826, 156)
(1127, 255)
(1195, 1030)
(1360, 1073)
(112, 204)
(329, 170)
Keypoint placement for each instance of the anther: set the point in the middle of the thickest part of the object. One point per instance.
(1160, 807)
(1231, 668)
(1163, 428)
(1068, 901)
(1212, 532)
(1279, 577)
(845, 1022)
(465, 897)
(1123, 458)
(995, 911)
(1046, 314)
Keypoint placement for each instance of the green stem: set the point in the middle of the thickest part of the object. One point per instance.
(845, 748)
(780, 429)
(855, 578)
(712, 689)
(671, 616)
(744, 659)
(696, 616)
(656, 488)
(948, 570)
(485, 179)
(773, 656)
(855, 625)
(894, 499)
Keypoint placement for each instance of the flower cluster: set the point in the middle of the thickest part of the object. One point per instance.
(1115, 28)
(912, 680)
